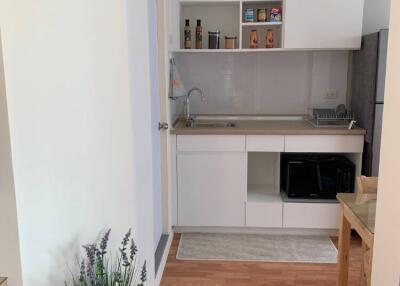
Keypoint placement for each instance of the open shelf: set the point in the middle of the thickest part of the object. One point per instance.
(262, 194)
(263, 177)
(261, 31)
(228, 18)
(222, 16)
(255, 24)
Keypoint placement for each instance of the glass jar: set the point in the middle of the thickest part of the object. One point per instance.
(262, 15)
(275, 15)
(213, 39)
(230, 42)
(249, 15)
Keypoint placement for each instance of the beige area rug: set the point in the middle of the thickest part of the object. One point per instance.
(256, 247)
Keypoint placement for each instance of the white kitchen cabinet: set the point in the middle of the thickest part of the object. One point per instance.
(212, 188)
(323, 24)
(234, 180)
(324, 143)
(265, 143)
(211, 143)
(306, 24)
(311, 215)
(264, 214)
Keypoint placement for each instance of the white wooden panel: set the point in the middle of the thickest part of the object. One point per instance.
(212, 189)
(264, 214)
(323, 24)
(265, 143)
(173, 199)
(227, 143)
(324, 143)
(309, 215)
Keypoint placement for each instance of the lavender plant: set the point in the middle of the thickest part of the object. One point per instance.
(98, 268)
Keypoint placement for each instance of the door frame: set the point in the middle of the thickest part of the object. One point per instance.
(165, 115)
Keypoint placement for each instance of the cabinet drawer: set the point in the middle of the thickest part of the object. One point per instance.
(310, 215)
(265, 143)
(227, 143)
(264, 214)
(324, 143)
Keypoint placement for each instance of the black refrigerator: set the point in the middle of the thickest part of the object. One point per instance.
(367, 94)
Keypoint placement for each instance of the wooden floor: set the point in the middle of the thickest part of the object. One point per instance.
(213, 273)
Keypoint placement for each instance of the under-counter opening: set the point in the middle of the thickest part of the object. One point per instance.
(263, 177)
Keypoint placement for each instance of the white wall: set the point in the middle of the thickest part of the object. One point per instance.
(9, 247)
(264, 83)
(79, 107)
(386, 261)
(376, 15)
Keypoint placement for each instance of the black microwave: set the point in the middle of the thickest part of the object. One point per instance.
(319, 176)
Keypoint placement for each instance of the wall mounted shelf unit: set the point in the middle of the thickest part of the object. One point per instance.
(306, 24)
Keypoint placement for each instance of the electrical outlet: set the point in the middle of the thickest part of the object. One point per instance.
(331, 94)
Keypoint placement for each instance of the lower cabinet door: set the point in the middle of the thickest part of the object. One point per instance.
(311, 215)
(264, 214)
(211, 188)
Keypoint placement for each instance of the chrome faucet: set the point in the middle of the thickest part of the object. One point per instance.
(187, 101)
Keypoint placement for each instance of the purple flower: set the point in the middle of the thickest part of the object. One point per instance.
(143, 275)
(82, 271)
(90, 252)
(133, 249)
(124, 257)
(124, 243)
(104, 242)
(94, 280)
(90, 273)
(125, 240)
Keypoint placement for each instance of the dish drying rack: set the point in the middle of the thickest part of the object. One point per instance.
(331, 118)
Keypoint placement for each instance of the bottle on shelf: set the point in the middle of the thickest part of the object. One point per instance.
(269, 39)
(187, 35)
(199, 35)
(253, 39)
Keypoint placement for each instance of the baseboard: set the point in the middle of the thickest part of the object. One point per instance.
(163, 262)
(253, 230)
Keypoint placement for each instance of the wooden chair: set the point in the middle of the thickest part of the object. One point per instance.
(3, 281)
(367, 184)
(367, 190)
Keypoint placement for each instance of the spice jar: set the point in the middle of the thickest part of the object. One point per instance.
(249, 15)
(213, 39)
(253, 39)
(275, 15)
(262, 15)
(230, 42)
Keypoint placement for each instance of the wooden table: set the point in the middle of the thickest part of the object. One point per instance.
(360, 217)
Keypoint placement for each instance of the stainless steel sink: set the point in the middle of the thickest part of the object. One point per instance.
(199, 124)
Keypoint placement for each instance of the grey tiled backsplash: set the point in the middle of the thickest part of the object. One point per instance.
(263, 83)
